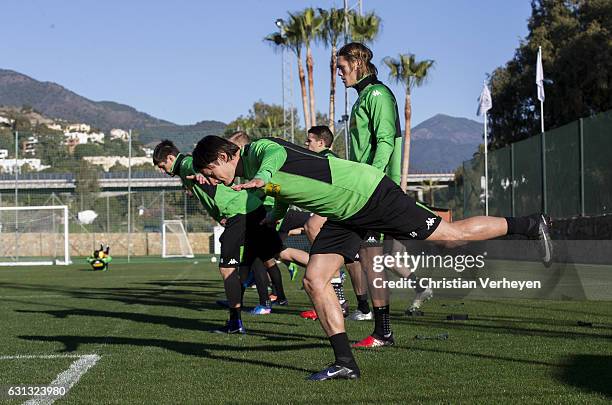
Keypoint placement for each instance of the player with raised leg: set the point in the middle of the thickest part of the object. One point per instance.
(320, 140)
(356, 198)
(243, 240)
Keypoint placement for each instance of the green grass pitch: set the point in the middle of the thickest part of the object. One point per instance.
(149, 322)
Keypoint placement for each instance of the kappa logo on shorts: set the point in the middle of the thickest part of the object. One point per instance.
(430, 222)
(371, 239)
(413, 234)
(233, 261)
(376, 93)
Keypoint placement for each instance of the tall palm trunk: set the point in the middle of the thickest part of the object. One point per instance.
(303, 89)
(310, 68)
(406, 155)
(332, 88)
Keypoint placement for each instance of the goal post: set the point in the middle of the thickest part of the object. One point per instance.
(174, 240)
(34, 235)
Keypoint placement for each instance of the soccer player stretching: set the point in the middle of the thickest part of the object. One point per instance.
(355, 198)
(243, 240)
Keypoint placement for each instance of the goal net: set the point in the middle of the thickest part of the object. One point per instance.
(36, 235)
(174, 240)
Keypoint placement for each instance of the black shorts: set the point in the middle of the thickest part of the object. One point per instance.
(244, 240)
(388, 211)
(372, 239)
(292, 220)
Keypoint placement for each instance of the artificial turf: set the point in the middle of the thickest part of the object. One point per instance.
(149, 321)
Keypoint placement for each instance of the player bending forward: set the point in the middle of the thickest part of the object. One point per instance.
(356, 198)
(243, 240)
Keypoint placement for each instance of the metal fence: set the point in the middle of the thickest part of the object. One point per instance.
(565, 172)
(129, 202)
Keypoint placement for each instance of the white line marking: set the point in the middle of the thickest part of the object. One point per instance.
(66, 379)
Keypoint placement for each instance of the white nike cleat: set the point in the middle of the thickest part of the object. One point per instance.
(357, 315)
(420, 298)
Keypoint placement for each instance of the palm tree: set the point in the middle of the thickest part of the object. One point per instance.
(291, 39)
(411, 73)
(332, 29)
(364, 28)
(309, 25)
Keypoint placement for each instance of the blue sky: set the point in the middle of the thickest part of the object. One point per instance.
(187, 61)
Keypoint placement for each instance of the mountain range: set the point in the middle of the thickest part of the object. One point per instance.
(56, 101)
(439, 144)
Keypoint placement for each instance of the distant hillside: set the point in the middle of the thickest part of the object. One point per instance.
(184, 136)
(55, 101)
(442, 143)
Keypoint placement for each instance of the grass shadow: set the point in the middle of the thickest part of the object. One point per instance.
(204, 350)
(589, 372)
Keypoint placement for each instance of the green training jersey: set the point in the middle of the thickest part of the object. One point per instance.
(268, 202)
(327, 152)
(328, 186)
(106, 260)
(376, 137)
(219, 201)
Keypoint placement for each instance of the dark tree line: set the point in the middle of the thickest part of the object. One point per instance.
(576, 41)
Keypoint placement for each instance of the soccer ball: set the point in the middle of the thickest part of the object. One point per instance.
(213, 259)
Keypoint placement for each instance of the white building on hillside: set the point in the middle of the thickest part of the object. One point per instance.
(84, 137)
(8, 165)
(109, 161)
(6, 122)
(29, 146)
(3, 153)
(117, 133)
(54, 126)
(78, 128)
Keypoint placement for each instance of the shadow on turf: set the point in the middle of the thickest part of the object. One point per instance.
(540, 308)
(198, 300)
(589, 372)
(72, 343)
(172, 322)
(503, 328)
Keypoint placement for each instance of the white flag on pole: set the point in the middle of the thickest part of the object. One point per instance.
(484, 101)
(540, 75)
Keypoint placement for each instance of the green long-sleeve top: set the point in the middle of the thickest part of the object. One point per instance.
(106, 259)
(328, 186)
(375, 128)
(219, 200)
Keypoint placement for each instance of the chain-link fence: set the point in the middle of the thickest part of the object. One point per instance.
(565, 172)
(130, 223)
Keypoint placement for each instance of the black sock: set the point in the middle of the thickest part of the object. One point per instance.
(339, 290)
(362, 304)
(261, 281)
(244, 275)
(277, 282)
(417, 284)
(234, 314)
(342, 351)
(519, 225)
(382, 323)
(233, 289)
